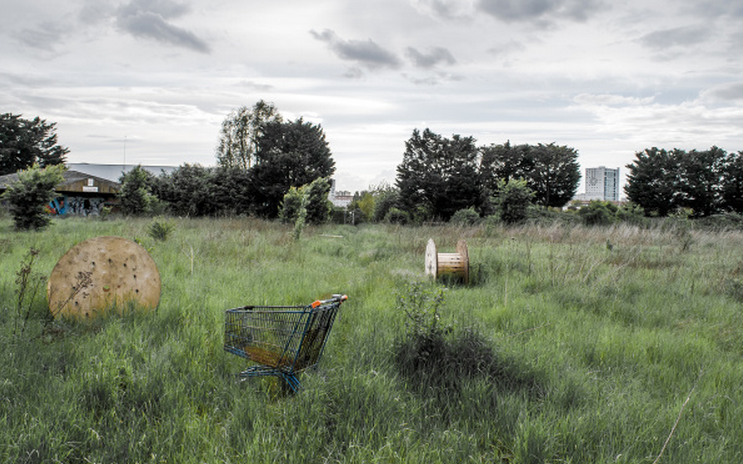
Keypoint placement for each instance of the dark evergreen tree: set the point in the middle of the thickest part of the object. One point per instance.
(438, 176)
(701, 180)
(288, 155)
(187, 190)
(24, 143)
(653, 181)
(551, 171)
(135, 196)
(732, 183)
(513, 200)
(29, 196)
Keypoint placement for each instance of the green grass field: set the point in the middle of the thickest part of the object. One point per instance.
(587, 345)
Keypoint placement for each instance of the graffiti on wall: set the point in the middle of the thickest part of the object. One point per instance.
(62, 206)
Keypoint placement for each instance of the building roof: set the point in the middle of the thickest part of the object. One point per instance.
(113, 172)
(73, 182)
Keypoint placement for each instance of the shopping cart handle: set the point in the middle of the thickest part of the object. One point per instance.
(336, 298)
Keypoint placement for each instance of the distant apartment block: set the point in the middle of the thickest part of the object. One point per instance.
(339, 198)
(602, 184)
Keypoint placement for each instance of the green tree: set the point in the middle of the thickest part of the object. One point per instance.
(29, 196)
(555, 174)
(187, 190)
(700, 180)
(24, 143)
(240, 132)
(386, 197)
(653, 181)
(289, 154)
(513, 200)
(313, 197)
(319, 206)
(551, 171)
(503, 163)
(732, 183)
(439, 175)
(194, 190)
(292, 204)
(363, 206)
(135, 196)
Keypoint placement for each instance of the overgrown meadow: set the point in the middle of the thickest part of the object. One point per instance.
(569, 345)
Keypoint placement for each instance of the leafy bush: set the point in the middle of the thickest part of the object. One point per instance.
(161, 229)
(293, 202)
(397, 216)
(421, 306)
(135, 196)
(311, 198)
(513, 200)
(363, 205)
(720, 222)
(385, 199)
(318, 204)
(465, 217)
(29, 196)
(439, 355)
(633, 214)
(598, 213)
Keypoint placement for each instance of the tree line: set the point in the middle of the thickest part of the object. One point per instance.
(705, 182)
(273, 168)
(260, 158)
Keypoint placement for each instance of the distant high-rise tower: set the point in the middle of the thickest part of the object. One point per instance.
(602, 184)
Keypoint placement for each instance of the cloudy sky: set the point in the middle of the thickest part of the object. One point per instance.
(150, 81)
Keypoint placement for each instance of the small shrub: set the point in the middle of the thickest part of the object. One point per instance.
(632, 214)
(28, 283)
(135, 196)
(385, 200)
(29, 196)
(310, 200)
(161, 229)
(513, 200)
(397, 216)
(598, 213)
(441, 356)
(421, 306)
(465, 217)
(291, 205)
(733, 288)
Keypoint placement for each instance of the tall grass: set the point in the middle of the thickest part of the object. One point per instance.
(584, 344)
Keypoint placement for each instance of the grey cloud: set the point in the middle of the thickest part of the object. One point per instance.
(540, 10)
(714, 8)
(44, 37)
(447, 9)
(147, 19)
(507, 48)
(95, 11)
(437, 56)
(680, 36)
(726, 92)
(435, 79)
(354, 73)
(366, 53)
(165, 8)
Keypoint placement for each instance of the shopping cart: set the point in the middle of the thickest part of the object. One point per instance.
(282, 340)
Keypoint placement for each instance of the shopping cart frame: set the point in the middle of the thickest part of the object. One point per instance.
(282, 341)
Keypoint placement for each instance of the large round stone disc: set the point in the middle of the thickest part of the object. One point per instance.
(103, 273)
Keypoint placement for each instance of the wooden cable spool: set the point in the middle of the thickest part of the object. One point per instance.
(103, 273)
(455, 265)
